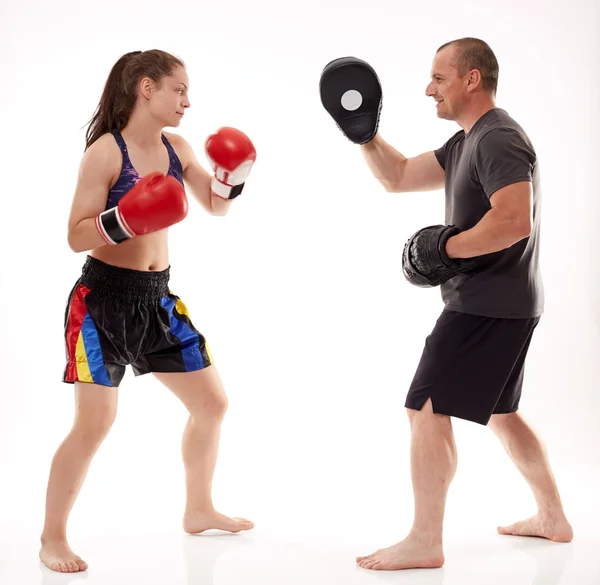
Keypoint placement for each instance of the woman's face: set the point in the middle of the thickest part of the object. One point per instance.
(169, 100)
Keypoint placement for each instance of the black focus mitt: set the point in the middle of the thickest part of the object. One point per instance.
(425, 262)
(351, 93)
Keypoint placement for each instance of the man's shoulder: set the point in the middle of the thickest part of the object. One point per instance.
(453, 141)
(500, 136)
(496, 124)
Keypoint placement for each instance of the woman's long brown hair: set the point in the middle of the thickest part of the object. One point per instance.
(120, 91)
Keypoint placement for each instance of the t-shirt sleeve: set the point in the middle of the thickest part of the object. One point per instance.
(503, 157)
(440, 154)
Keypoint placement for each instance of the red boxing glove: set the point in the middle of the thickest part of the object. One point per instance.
(155, 202)
(231, 155)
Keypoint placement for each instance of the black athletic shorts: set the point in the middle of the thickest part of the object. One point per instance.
(472, 366)
(116, 317)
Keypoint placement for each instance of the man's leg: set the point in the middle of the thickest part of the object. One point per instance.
(529, 455)
(433, 465)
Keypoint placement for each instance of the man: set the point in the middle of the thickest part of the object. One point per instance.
(486, 261)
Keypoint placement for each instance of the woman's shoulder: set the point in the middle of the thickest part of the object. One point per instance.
(104, 145)
(103, 152)
(176, 140)
(180, 145)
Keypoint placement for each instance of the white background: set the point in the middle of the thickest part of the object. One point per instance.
(299, 289)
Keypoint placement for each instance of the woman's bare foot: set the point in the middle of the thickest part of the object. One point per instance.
(196, 522)
(556, 528)
(58, 556)
(411, 553)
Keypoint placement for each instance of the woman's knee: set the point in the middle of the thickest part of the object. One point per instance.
(201, 392)
(89, 434)
(94, 417)
(214, 405)
(210, 403)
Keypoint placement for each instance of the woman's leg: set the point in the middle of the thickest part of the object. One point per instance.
(95, 411)
(202, 393)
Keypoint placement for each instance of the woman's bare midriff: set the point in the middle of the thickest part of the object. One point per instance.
(148, 253)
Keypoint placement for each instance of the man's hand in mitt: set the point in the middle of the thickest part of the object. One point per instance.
(425, 262)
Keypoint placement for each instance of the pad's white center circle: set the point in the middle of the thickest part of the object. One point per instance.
(351, 100)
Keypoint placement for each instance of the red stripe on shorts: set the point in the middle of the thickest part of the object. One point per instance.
(77, 312)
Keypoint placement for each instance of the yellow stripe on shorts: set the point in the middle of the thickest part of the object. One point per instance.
(83, 369)
(182, 309)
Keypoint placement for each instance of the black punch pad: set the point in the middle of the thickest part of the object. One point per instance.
(351, 93)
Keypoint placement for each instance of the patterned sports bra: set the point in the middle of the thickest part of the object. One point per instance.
(129, 176)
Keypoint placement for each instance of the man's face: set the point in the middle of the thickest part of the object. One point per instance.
(446, 87)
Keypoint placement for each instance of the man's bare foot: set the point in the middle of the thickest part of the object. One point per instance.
(556, 528)
(58, 556)
(411, 553)
(196, 522)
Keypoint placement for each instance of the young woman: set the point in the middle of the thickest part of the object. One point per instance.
(121, 311)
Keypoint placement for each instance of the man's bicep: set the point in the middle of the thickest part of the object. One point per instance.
(422, 173)
(515, 203)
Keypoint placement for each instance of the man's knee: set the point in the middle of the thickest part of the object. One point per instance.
(426, 414)
(501, 422)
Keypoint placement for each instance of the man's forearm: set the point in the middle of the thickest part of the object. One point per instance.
(384, 161)
(494, 232)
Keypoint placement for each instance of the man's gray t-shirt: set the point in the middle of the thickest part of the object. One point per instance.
(494, 154)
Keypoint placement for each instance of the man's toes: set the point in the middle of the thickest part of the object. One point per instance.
(242, 524)
(366, 562)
